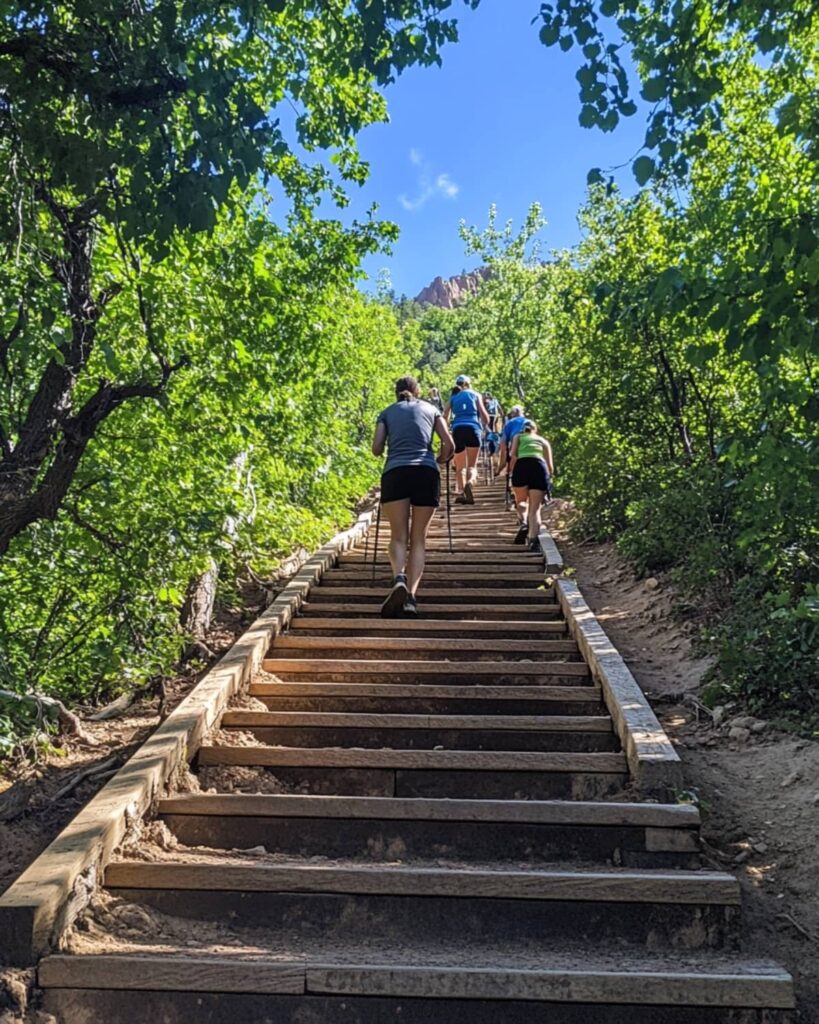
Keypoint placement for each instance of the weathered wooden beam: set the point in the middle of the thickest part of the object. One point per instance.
(45, 899)
(653, 761)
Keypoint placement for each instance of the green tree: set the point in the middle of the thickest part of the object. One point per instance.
(123, 125)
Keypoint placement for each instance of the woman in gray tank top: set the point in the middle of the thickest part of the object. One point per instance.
(410, 487)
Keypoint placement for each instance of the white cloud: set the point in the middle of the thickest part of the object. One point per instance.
(447, 187)
(428, 187)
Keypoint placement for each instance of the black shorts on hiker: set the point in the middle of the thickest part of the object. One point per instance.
(465, 437)
(532, 473)
(421, 484)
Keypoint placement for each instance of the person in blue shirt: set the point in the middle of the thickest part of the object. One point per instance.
(514, 426)
(467, 415)
(410, 487)
(495, 410)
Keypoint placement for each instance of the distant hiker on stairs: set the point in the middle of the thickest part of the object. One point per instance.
(410, 487)
(513, 426)
(468, 418)
(532, 469)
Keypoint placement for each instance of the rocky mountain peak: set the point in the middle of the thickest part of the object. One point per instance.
(448, 292)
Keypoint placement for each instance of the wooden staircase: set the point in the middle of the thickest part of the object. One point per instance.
(455, 839)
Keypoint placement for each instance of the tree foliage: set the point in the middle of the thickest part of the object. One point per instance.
(255, 450)
(142, 147)
(672, 357)
(121, 125)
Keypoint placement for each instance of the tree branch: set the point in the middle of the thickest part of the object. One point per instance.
(9, 339)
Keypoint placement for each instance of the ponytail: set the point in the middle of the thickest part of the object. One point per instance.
(406, 389)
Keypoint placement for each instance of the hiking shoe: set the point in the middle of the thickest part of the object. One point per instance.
(460, 500)
(469, 497)
(522, 535)
(396, 598)
(410, 606)
(534, 545)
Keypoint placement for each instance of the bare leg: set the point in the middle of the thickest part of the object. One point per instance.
(535, 502)
(398, 513)
(521, 500)
(460, 471)
(472, 464)
(421, 518)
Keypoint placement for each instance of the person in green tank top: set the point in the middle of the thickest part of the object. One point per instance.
(532, 470)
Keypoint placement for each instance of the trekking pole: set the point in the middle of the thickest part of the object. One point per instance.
(448, 511)
(377, 530)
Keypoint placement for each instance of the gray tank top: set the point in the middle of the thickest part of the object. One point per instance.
(410, 426)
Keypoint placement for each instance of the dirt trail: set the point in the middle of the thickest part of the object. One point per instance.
(758, 789)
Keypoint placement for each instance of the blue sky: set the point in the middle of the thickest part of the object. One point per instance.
(496, 124)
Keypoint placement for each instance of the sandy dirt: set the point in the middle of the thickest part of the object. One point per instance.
(32, 808)
(758, 789)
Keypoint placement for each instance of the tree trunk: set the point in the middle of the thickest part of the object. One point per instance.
(36, 471)
(197, 611)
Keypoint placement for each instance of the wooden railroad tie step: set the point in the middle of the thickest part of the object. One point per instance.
(422, 698)
(425, 644)
(513, 598)
(577, 813)
(461, 691)
(614, 886)
(470, 830)
(361, 667)
(722, 981)
(346, 904)
(499, 723)
(324, 606)
(440, 579)
(320, 729)
(425, 628)
(436, 760)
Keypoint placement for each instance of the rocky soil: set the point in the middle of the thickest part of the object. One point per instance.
(758, 789)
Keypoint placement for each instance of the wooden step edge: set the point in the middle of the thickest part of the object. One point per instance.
(411, 626)
(703, 986)
(456, 691)
(483, 668)
(536, 812)
(654, 764)
(406, 643)
(365, 720)
(725, 983)
(429, 607)
(661, 887)
(33, 908)
(415, 760)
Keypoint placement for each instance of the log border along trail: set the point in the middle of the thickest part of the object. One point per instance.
(477, 824)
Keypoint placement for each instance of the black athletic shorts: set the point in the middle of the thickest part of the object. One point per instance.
(421, 484)
(532, 473)
(466, 437)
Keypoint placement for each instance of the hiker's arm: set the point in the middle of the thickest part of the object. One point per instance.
(484, 415)
(447, 411)
(549, 459)
(514, 455)
(504, 453)
(447, 444)
(379, 438)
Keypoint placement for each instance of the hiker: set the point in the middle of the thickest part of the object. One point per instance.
(410, 487)
(495, 410)
(434, 398)
(469, 414)
(490, 446)
(532, 469)
(513, 426)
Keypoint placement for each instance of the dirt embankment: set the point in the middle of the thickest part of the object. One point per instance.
(758, 789)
